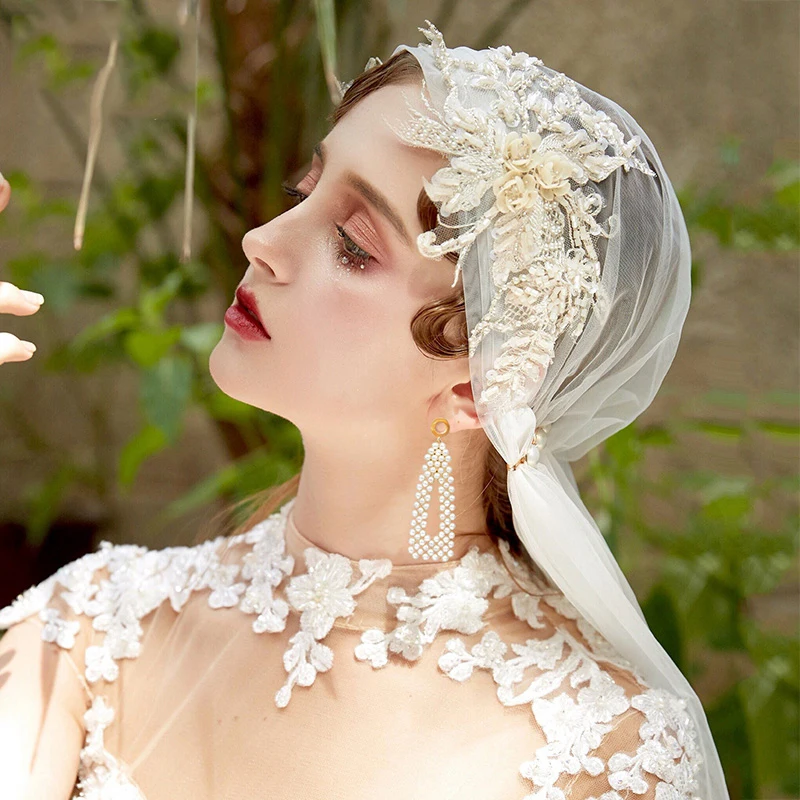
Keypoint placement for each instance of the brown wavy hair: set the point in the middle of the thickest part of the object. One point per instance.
(439, 329)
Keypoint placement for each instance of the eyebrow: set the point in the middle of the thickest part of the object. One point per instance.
(377, 200)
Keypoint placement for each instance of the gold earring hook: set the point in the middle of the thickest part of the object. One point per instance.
(444, 422)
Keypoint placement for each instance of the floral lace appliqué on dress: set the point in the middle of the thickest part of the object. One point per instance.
(574, 700)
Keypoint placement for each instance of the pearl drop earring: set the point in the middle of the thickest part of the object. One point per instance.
(436, 468)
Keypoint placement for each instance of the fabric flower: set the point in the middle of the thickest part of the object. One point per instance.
(100, 663)
(528, 171)
(31, 601)
(514, 191)
(527, 133)
(519, 150)
(604, 697)
(58, 630)
(322, 594)
(552, 172)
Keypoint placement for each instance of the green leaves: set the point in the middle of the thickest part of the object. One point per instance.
(44, 501)
(771, 224)
(201, 339)
(149, 55)
(147, 442)
(148, 347)
(153, 302)
(728, 719)
(771, 700)
(711, 564)
(224, 408)
(54, 279)
(165, 391)
(662, 617)
(240, 479)
(59, 68)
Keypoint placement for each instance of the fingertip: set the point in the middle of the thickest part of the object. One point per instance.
(34, 298)
(5, 192)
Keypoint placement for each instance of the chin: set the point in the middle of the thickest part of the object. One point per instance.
(237, 376)
(226, 370)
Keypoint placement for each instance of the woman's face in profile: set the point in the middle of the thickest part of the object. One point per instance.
(337, 280)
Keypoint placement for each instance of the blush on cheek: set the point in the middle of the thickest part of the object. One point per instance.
(351, 316)
(366, 346)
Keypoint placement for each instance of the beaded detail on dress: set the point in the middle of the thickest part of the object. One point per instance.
(456, 597)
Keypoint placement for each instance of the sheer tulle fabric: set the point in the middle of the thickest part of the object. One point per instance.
(594, 386)
(195, 717)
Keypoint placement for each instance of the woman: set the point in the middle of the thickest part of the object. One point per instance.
(346, 643)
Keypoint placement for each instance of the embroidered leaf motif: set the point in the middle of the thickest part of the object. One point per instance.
(100, 775)
(575, 727)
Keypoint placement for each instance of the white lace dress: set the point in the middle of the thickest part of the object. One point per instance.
(258, 666)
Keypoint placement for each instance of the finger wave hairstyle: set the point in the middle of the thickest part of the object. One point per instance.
(439, 330)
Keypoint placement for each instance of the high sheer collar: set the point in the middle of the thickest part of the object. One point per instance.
(297, 542)
(373, 609)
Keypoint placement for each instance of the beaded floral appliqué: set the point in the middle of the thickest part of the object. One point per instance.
(452, 600)
(321, 595)
(100, 774)
(455, 600)
(521, 164)
(261, 585)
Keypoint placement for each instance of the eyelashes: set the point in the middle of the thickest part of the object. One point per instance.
(350, 254)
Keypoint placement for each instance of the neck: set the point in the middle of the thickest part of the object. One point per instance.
(359, 503)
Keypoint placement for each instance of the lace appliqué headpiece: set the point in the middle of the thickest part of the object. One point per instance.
(521, 165)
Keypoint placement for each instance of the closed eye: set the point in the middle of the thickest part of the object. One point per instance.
(348, 248)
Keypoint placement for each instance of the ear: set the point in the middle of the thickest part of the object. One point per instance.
(462, 407)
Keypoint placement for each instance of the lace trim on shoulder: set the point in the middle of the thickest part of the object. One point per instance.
(456, 601)
(139, 581)
(576, 730)
(453, 600)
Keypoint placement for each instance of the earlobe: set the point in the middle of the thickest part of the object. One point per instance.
(464, 406)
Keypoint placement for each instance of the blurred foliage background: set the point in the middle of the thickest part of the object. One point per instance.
(128, 322)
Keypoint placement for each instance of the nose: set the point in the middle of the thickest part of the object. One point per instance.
(255, 248)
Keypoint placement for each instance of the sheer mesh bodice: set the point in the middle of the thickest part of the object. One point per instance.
(259, 665)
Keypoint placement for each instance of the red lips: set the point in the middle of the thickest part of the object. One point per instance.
(243, 316)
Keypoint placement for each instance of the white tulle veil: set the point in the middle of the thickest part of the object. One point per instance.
(575, 262)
